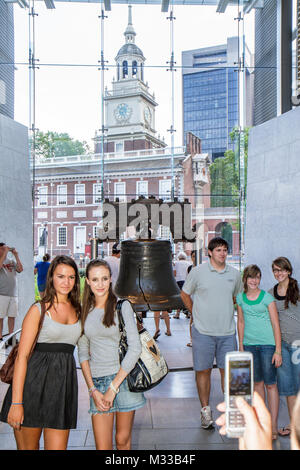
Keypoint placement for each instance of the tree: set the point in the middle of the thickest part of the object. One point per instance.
(225, 174)
(53, 144)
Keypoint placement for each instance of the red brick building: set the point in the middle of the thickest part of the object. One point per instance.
(134, 161)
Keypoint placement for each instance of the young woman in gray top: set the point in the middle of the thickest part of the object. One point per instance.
(98, 350)
(286, 293)
(44, 392)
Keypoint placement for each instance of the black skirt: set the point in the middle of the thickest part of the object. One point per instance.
(50, 393)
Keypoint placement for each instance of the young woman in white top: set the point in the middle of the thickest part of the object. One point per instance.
(44, 392)
(98, 350)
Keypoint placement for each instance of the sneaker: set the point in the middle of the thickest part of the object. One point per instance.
(206, 418)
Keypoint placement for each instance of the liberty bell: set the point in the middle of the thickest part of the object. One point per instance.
(146, 275)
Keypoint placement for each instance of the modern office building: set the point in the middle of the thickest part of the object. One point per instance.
(210, 94)
(273, 59)
(6, 59)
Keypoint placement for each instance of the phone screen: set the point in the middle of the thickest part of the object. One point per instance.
(240, 377)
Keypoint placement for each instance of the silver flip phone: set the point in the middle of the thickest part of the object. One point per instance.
(238, 383)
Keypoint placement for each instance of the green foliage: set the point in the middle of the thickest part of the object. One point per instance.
(53, 144)
(225, 174)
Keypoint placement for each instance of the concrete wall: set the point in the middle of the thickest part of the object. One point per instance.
(15, 205)
(273, 194)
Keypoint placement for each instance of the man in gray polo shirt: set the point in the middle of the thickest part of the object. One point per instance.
(209, 294)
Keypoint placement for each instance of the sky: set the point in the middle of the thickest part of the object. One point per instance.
(68, 46)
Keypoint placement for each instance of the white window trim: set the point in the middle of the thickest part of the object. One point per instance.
(96, 194)
(64, 195)
(74, 237)
(162, 194)
(118, 142)
(45, 195)
(66, 228)
(80, 196)
(138, 193)
(122, 197)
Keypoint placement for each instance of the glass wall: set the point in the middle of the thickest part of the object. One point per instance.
(169, 126)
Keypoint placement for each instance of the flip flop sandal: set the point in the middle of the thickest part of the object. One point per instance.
(189, 345)
(156, 335)
(284, 431)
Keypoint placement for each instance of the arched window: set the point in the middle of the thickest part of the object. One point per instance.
(134, 68)
(118, 72)
(224, 230)
(142, 72)
(125, 69)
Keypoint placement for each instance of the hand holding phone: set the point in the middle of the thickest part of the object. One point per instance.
(258, 425)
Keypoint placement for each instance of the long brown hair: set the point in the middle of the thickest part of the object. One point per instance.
(292, 293)
(50, 293)
(89, 301)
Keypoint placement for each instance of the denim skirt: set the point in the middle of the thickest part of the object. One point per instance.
(124, 401)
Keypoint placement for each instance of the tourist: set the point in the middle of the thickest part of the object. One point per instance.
(8, 287)
(44, 392)
(41, 269)
(286, 294)
(114, 262)
(180, 272)
(98, 350)
(209, 293)
(259, 333)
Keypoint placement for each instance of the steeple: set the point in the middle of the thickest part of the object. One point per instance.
(129, 32)
(130, 59)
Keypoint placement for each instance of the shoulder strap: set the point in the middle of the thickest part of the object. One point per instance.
(121, 319)
(41, 307)
(120, 316)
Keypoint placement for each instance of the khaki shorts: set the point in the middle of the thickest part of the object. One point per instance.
(8, 306)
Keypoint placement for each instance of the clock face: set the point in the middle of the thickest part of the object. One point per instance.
(123, 112)
(147, 115)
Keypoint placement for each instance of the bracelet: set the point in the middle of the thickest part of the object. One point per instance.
(113, 388)
(276, 352)
(17, 403)
(91, 390)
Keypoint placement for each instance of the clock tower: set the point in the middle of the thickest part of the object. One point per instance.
(129, 106)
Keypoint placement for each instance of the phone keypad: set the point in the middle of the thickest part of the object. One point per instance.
(232, 400)
(236, 419)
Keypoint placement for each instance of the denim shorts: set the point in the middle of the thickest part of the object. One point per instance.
(124, 400)
(288, 373)
(206, 348)
(264, 370)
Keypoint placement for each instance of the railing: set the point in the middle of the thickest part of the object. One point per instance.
(3, 355)
(7, 338)
(96, 157)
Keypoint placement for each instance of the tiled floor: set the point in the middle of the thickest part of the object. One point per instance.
(171, 418)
